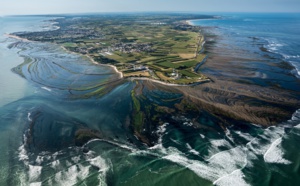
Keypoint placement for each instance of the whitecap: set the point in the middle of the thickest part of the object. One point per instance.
(35, 184)
(275, 154)
(291, 56)
(220, 143)
(76, 159)
(28, 116)
(213, 169)
(39, 160)
(235, 178)
(160, 131)
(22, 153)
(72, 175)
(55, 164)
(46, 88)
(100, 163)
(191, 150)
(123, 146)
(34, 173)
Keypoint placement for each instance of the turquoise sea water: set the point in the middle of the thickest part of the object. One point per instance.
(44, 102)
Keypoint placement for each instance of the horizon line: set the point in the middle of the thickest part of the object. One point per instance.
(136, 12)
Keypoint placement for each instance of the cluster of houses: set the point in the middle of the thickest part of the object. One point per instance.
(175, 74)
(132, 47)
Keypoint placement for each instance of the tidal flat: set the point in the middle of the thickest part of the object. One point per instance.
(83, 124)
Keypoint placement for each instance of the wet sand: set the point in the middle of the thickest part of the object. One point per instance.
(242, 91)
(231, 95)
(244, 87)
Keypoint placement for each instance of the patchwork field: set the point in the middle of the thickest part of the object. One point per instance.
(163, 47)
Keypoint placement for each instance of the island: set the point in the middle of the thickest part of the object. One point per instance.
(163, 48)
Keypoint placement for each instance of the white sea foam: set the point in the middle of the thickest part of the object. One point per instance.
(69, 164)
(273, 46)
(22, 176)
(54, 156)
(235, 178)
(296, 116)
(55, 164)
(160, 131)
(208, 171)
(261, 75)
(188, 123)
(34, 173)
(176, 141)
(223, 165)
(220, 143)
(28, 116)
(46, 88)
(39, 160)
(191, 150)
(35, 184)
(263, 142)
(123, 146)
(197, 167)
(245, 136)
(291, 56)
(100, 163)
(22, 153)
(71, 175)
(297, 126)
(76, 159)
(229, 160)
(275, 154)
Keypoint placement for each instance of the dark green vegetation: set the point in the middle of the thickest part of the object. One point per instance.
(162, 47)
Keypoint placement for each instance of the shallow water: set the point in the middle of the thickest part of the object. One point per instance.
(258, 44)
(55, 94)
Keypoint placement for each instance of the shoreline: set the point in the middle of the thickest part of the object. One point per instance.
(241, 99)
(189, 22)
(112, 66)
(215, 97)
(17, 37)
(168, 84)
(121, 76)
(89, 57)
(94, 62)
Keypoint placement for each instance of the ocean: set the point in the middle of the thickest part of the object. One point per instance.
(54, 96)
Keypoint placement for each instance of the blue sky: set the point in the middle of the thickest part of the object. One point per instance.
(14, 7)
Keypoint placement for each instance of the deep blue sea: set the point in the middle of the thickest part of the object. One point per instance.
(53, 95)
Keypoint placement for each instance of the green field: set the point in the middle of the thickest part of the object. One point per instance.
(135, 43)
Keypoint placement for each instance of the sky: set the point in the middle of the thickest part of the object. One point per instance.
(27, 7)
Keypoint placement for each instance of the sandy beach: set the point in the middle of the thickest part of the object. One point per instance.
(16, 37)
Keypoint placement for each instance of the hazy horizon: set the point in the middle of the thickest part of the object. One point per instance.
(35, 7)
